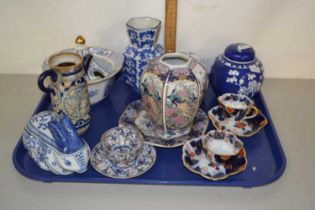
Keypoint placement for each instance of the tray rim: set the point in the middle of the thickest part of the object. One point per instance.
(139, 180)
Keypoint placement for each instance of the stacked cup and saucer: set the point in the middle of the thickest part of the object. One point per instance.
(215, 155)
(237, 114)
(122, 153)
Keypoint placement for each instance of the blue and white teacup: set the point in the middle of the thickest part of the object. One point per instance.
(122, 145)
(238, 106)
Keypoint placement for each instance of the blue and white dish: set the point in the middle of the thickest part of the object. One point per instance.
(143, 34)
(51, 140)
(136, 115)
(104, 65)
(195, 158)
(238, 70)
(122, 153)
(243, 128)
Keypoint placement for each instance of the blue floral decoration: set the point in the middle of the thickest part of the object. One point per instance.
(147, 35)
(133, 36)
(93, 93)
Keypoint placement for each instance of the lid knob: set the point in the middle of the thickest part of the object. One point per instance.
(239, 52)
(80, 39)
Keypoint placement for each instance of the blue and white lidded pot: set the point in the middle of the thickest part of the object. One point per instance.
(237, 71)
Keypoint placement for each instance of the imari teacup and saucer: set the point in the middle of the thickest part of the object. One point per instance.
(215, 156)
(237, 114)
(122, 153)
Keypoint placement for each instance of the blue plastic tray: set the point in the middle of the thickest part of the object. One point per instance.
(266, 158)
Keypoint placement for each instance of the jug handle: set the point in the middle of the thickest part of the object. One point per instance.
(86, 62)
(43, 76)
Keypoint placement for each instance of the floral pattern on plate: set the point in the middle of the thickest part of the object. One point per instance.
(135, 115)
(242, 128)
(195, 159)
(105, 166)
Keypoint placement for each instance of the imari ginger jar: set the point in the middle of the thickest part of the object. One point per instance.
(172, 88)
(237, 71)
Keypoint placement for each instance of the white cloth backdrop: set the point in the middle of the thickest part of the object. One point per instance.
(281, 31)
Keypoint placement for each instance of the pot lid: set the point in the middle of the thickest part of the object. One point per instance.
(239, 52)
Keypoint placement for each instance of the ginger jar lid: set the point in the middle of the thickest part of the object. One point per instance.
(239, 52)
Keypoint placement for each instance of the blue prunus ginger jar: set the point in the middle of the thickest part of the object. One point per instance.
(237, 70)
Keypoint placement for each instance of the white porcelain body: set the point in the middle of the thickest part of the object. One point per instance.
(221, 143)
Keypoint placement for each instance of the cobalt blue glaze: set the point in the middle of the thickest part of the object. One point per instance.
(65, 135)
(245, 55)
(237, 71)
(264, 151)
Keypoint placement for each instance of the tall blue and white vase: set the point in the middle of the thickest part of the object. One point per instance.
(237, 70)
(143, 34)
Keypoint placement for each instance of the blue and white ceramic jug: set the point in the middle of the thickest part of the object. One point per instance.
(143, 33)
(68, 88)
(237, 71)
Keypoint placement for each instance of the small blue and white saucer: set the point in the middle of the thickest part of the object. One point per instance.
(241, 128)
(105, 166)
(136, 116)
(195, 159)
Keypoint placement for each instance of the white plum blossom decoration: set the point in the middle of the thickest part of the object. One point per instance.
(255, 68)
(251, 88)
(251, 76)
(234, 72)
(231, 79)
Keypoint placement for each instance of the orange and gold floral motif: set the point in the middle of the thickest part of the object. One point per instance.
(240, 124)
(229, 110)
